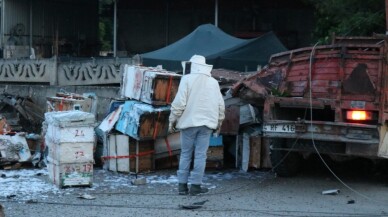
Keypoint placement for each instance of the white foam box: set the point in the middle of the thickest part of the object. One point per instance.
(71, 174)
(67, 152)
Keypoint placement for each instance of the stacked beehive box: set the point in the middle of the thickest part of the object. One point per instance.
(143, 118)
(70, 101)
(70, 139)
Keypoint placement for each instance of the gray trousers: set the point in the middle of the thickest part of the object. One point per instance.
(193, 139)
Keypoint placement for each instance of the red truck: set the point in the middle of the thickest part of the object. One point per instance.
(330, 99)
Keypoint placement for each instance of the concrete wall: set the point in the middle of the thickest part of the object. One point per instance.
(39, 93)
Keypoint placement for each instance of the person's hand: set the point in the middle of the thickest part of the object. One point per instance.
(171, 127)
(217, 131)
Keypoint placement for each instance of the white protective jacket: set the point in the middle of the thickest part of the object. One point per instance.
(198, 102)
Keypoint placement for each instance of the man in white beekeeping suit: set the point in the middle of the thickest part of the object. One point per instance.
(197, 111)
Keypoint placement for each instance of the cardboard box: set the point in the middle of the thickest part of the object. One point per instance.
(143, 121)
(154, 86)
(128, 155)
(71, 174)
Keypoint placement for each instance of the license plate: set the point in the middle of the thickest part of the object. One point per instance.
(279, 128)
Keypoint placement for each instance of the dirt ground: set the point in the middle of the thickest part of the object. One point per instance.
(363, 192)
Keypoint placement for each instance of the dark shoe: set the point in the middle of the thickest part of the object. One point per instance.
(197, 189)
(183, 189)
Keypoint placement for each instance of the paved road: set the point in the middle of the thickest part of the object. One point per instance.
(233, 193)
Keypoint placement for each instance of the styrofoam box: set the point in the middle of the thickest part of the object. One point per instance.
(71, 152)
(70, 134)
(75, 174)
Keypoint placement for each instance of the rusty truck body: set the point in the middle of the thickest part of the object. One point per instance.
(329, 99)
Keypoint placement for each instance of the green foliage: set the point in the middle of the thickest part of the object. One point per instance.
(105, 34)
(105, 24)
(348, 18)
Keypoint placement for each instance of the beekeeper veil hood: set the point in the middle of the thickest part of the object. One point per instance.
(197, 64)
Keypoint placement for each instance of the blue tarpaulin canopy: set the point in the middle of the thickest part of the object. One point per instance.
(219, 48)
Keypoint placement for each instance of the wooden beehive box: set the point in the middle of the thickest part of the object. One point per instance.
(126, 154)
(142, 121)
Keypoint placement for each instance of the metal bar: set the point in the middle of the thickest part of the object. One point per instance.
(115, 29)
(216, 13)
(31, 27)
(167, 21)
(2, 23)
(386, 17)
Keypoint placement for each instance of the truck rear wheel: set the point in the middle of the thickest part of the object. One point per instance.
(284, 163)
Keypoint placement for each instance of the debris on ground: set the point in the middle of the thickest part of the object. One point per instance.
(139, 181)
(86, 196)
(21, 113)
(194, 205)
(331, 192)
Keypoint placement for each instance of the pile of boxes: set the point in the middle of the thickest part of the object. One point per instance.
(70, 139)
(137, 121)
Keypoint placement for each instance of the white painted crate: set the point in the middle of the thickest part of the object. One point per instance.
(57, 134)
(71, 174)
(71, 152)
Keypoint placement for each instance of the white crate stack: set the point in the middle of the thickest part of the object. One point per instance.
(70, 139)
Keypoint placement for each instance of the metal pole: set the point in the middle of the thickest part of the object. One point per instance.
(2, 23)
(115, 29)
(216, 13)
(386, 17)
(30, 27)
(167, 20)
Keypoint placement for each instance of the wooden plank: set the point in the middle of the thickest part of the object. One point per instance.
(265, 158)
(122, 148)
(255, 152)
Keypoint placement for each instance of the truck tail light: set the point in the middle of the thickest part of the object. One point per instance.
(359, 115)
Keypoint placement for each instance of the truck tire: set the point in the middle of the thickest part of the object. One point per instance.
(284, 163)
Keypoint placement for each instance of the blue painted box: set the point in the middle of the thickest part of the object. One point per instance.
(215, 141)
(143, 121)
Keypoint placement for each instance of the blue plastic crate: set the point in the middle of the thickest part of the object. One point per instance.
(215, 141)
